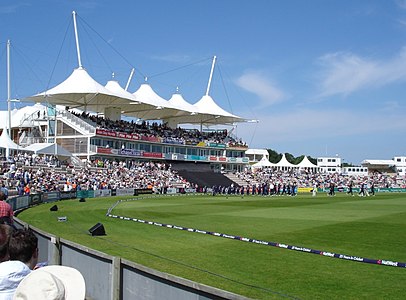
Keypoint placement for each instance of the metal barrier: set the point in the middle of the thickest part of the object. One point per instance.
(109, 277)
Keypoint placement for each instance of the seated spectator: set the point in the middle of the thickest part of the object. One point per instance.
(52, 283)
(23, 253)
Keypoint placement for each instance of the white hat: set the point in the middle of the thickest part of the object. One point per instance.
(53, 283)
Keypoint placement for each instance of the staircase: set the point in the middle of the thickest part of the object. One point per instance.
(76, 123)
(235, 179)
(201, 174)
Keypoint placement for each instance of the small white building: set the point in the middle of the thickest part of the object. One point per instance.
(355, 171)
(400, 165)
(329, 164)
(255, 155)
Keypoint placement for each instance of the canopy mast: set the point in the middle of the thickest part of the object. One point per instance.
(129, 79)
(211, 75)
(8, 89)
(77, 39)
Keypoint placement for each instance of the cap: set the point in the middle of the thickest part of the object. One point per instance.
(53, 283)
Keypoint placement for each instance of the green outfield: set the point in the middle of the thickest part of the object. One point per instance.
(369, 227)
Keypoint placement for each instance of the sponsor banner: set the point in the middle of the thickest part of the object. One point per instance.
(128, 136)
(35, 199)
(142, 191)
(168, 156)
(152, 154)
(190, 190)
(222, 158)
(50, 197)
(103, 150)
(105, 132)
(102, 193)
(169, 140)
(196, 157)
(304, 190)
(151, 139)
(122, 192)
(216, 145)
(213, 158)
(177, 156)
(67, 195)
(201, 144)
(171, 191)
(238, 160)
(115, 134)
(273, 244)
(19, 202)
(85, 194)
(131, 152)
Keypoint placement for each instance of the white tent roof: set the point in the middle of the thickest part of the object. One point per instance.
(306, 163)
(80, 90)
(284, 162)
(48, 148)
(158, 107)
(6, 142)
(177, 100)
(264, 162)
(19, 115)
(214, 113)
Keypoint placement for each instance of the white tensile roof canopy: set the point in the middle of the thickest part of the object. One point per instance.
(80, 90)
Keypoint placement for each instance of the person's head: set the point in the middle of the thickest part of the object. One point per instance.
(2, 196)
(23, 246)
(5, 232)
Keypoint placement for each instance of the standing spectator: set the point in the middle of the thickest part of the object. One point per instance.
(6, 211)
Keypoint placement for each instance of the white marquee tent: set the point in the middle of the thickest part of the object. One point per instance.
(263, 163)
(307, 164)
(48, 148)
(284, 164)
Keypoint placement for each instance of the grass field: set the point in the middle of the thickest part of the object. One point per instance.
(371, 227)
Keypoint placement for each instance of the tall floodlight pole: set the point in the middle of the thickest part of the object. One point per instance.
(211, 75)
(77, 39)
(129, 79)
(8, 88)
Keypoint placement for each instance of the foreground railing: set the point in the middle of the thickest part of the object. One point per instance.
(109, 277)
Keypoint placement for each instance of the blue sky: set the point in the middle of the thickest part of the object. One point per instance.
(322, 77)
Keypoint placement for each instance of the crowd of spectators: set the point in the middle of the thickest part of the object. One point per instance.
(23, 177)
(162, 130)
(301, 178)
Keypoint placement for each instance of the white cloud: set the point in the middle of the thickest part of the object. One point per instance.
(9, 9)
(264, 88)
(346, 73)
(173, 58)
(305, 125)
(401, 4)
